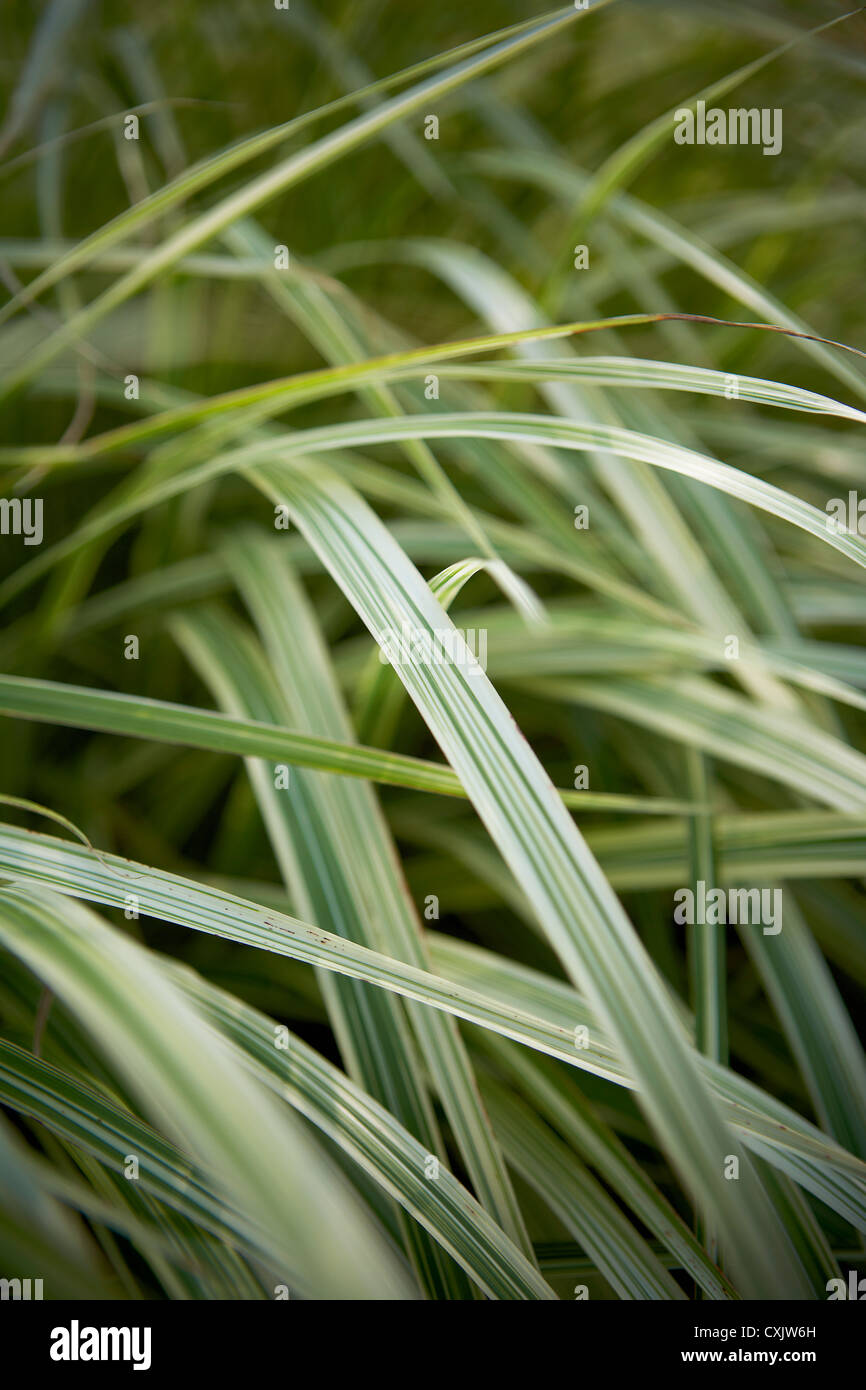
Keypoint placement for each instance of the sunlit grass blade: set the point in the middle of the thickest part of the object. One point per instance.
(584, 921)
(362, 844)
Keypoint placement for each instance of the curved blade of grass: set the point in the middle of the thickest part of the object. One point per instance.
(648, 855)
(574, 435)
(521, 1004)
(312, 308)
(144, 213)
(817, 1025)
(580, 1202)
(192, 1085)
(574, 903)
(92, 1121)
(748, 847)
(305, 829)
(719, 721)
(364, 1130)
(675, 522)
(281, 395)
(558, 1099)
(640, 373)
(518, 428)
(592, 643)
(371, 1135)
(365, 853)
(770, 1128)
(265, 186)
(560, 175)
(139, 717)
(382, 696)
(36, 1231)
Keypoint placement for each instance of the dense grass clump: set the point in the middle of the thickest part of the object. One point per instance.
(433, 681)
